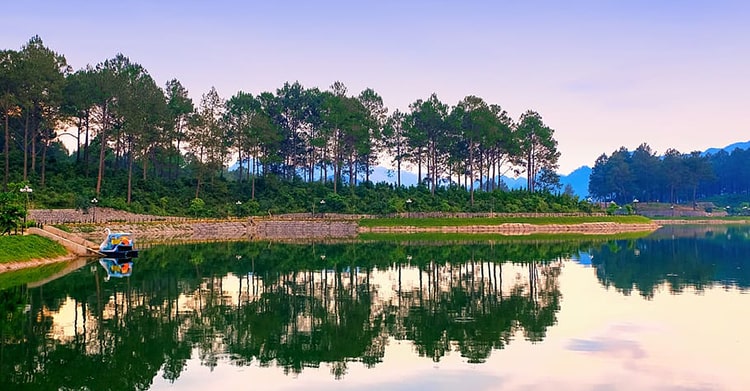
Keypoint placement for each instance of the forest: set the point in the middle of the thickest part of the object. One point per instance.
(673, 178)
(145, 148)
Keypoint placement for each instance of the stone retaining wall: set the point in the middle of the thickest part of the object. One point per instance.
(106, 215)
(188, 231)
(228, 230)
(603, 228)
(305, 229)
(266, 229)
(93, 215)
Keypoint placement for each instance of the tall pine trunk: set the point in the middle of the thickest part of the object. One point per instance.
(86, 147)
(471, 172)
(35, 131)
(44, 160)
(102, 150)
(130, 173)
(198, 186)
(7, 156)
(252, 179)
(26, 149)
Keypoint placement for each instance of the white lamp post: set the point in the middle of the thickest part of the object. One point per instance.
(94, 201)
(26, 189)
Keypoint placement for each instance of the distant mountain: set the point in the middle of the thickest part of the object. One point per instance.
(382, 174)
(515, 183)
(729, 148)
(578, 180)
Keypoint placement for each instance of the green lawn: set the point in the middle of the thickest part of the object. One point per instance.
(484, 238)
(23, 248)
(729, 219)
(462, 222)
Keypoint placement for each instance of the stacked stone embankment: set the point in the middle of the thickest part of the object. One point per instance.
(603, 228)
(173, 231)
(251, 229)
(294, 226)
(310, 229)
(92, 215)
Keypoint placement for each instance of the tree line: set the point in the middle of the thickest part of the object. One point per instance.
(673, 178)
(125, 124)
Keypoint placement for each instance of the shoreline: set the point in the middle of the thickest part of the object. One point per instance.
(14, 266)
(321, 229)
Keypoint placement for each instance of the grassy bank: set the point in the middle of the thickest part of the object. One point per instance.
(728, 219)
(483, 238)
(23, 248)
(463, 222)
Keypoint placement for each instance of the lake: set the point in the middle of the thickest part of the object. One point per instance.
(668, 311)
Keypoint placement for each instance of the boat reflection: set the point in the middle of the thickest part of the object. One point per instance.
(117, 267)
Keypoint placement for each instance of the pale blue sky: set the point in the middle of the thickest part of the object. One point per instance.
(603, 74)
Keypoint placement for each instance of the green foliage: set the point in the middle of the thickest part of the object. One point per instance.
(197, 207)
(294, 146)
(672, 178)
(11, 211)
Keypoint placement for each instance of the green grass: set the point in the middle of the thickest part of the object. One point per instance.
(62, 227)
(25, 276)
(463, 222)
(483, 238)
(23, 248)
(700, 218)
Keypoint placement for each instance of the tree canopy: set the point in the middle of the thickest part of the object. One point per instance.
(123, 123)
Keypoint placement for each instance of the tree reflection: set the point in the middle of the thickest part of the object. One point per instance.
(276, 305)
(678, 258)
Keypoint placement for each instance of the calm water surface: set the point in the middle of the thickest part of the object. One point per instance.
(666, 312)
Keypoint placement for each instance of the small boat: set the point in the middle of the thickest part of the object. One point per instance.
(118, 245)
(117, 267)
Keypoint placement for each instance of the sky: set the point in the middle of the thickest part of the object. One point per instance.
(602, 74)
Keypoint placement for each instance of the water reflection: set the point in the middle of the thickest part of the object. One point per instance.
(117, 267)
(281, 305)
(298, 307)
(677, 257)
